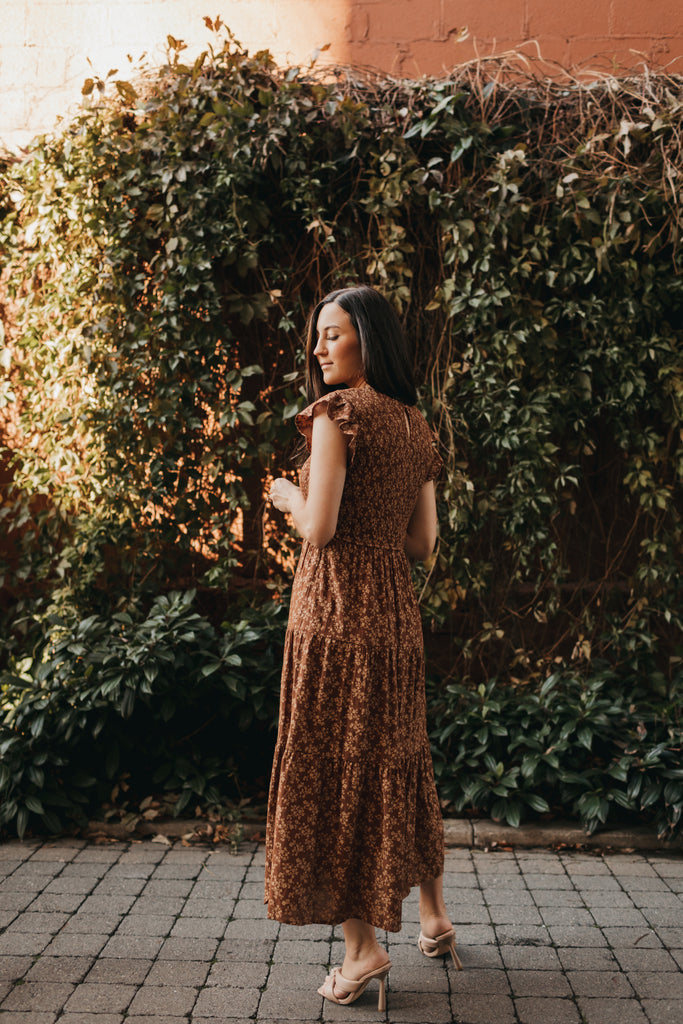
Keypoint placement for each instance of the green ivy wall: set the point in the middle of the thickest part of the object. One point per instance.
(163, 250)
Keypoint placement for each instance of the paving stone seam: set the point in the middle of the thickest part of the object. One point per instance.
(118, 933)
(97, 880)
(599, 857)
(623, 890)
(580, 894)
(651, 861)
(272, 955)
(178, 916)
(39, 846)
(635, 997)
(520, 866)
(26, 860)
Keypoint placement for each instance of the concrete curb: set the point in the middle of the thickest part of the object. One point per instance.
(483, 834)
(487, 834)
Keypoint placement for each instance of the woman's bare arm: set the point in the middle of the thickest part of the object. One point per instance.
(423, 525)
(315, 517)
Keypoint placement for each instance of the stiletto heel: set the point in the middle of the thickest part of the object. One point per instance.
(439, 946)
(351, 990)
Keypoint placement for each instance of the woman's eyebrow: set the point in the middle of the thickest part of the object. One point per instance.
(330, 327)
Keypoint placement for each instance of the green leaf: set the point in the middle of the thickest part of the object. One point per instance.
(33, 804)
(537, 803)
(22, 821)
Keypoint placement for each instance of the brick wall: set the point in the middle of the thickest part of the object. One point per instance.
(422, 36)
(45, 44)
(49, 47)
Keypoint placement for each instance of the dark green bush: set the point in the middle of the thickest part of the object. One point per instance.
(162, 250)
(592, 749)
(158, 702)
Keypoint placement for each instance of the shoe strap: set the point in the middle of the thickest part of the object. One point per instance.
(431, 944)
(340, 983)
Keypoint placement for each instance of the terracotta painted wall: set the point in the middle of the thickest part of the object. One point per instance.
(421, 36)
(45, 44)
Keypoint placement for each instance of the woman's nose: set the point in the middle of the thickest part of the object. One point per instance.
(320, 347)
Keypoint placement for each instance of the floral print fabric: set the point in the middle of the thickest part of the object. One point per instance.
(353, 816)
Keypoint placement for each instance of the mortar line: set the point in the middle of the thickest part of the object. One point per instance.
(262, 988)
(128, 847)
(608, 945)
(480, 886)
(84, 896)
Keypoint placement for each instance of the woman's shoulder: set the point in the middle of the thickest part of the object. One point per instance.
(334, 403)
(362, 406)
(357, 403)
(340, 406)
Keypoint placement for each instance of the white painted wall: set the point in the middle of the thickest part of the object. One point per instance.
(45, 45)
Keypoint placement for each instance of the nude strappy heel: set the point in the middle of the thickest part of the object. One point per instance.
(439, 946)
(352, 989)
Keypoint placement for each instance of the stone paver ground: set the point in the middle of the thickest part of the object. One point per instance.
(152, 934)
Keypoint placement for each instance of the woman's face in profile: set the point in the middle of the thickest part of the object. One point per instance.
(338, 348)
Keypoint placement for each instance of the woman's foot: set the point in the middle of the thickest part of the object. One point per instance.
(434, 919)
(440, 945)
(432, 924)
(363, 952)
(339, 989)
(366, 961)
(437, 936)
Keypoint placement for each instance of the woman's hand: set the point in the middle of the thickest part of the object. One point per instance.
(284, 494)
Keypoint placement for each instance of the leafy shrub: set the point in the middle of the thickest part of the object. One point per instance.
(160, 701)
(593, 748)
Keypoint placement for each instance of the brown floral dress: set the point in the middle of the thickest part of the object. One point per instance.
(353, 816)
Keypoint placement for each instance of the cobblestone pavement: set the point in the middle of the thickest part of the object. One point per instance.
(156, 935)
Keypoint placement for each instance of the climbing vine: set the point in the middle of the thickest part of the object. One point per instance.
(161, 252)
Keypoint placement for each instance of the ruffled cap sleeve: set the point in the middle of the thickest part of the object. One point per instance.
(340, 410)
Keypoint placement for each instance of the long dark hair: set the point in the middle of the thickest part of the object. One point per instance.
(386, 356)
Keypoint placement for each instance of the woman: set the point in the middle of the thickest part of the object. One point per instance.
(353, 816)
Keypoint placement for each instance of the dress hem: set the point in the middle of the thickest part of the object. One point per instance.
(385, 924)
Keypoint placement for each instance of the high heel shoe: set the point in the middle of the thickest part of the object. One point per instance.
(352, 989)
(441, 944)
